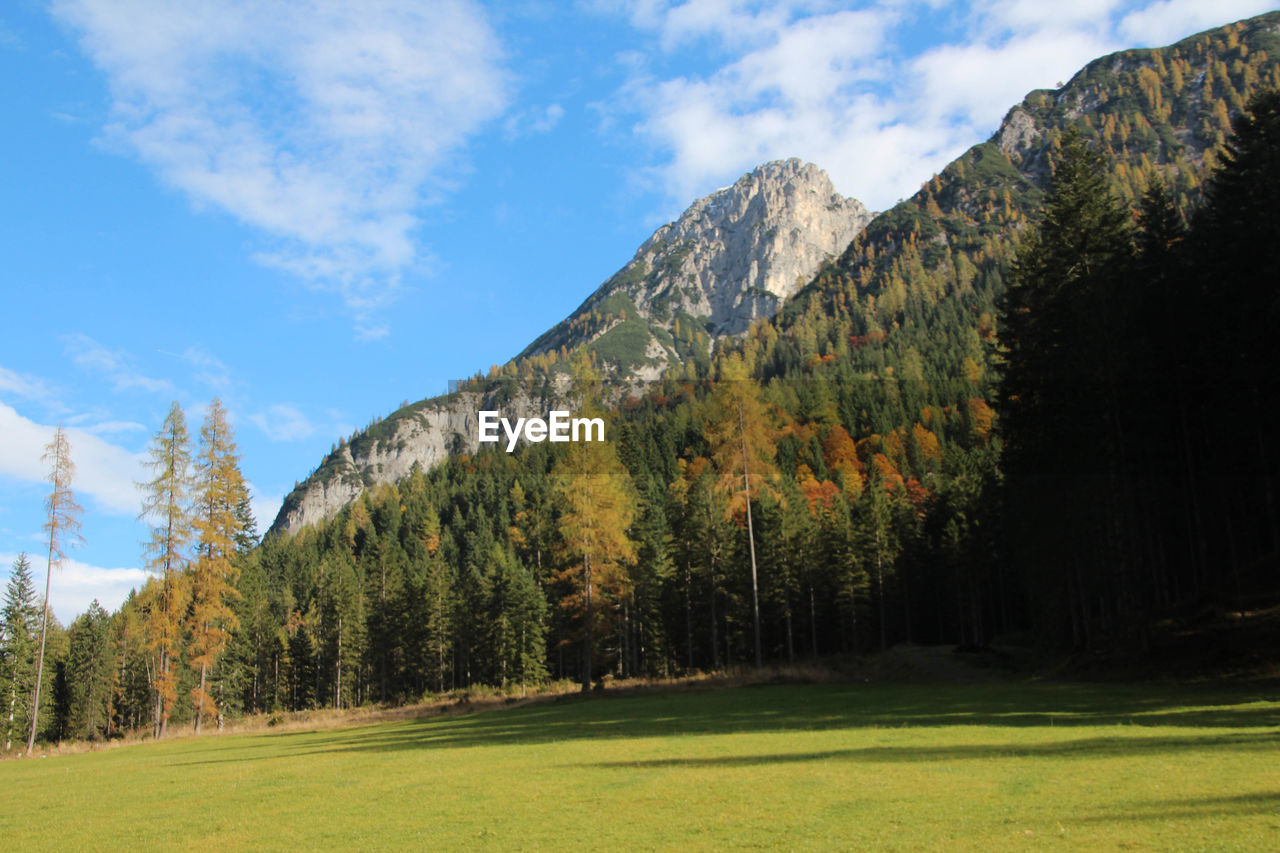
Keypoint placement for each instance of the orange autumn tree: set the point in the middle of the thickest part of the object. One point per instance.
(220, 488)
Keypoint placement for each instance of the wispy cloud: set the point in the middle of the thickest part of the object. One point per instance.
(105, 472)
(840, 84)
(209, 369)
(533, 121)
(283, 422)
(23, 385)
(116, 365)
(115, 427)
(325, 125)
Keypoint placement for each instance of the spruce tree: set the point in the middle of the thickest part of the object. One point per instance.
(20, 617)
(1062, 329)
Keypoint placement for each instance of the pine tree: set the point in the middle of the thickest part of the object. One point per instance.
(63, 527)
(167, 502)
(220, 489)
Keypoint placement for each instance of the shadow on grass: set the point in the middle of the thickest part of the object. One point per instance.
(1267, 803)
(792, 708)
(1086, 748)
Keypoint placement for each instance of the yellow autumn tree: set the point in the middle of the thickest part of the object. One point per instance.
(166, 508)
(220, 488)
(743, 444)
(598, 505)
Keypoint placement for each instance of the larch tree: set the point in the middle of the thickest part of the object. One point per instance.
(743, 449)
(599, 505)
(63, 527)
(166, 503)
(219, 490)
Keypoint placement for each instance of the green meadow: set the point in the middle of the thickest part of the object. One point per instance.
(1029, 766)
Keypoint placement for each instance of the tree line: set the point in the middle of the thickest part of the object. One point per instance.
(133, 668)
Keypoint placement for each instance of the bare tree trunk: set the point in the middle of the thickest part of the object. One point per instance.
(200, 704)
(44, 630)
(587, 635)
(161, 717)
(13, 703)
(751, 539)
(688, 617)
(813, 622)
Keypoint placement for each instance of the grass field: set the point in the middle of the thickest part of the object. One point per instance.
(999, 766)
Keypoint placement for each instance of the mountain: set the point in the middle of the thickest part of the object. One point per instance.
(731, 258)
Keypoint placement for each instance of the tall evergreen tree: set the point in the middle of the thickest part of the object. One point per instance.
(20, 617)
(1061, 334)
(89, 674)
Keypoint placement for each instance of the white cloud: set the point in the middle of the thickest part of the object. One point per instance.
(841, 87)
(1167, 21)
(325, 125)
(105, 472)
(807, 93)
(75, 585)
(116, 365)
(283, 422)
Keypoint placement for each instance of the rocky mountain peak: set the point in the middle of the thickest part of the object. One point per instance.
(732, 256)
(736, 254)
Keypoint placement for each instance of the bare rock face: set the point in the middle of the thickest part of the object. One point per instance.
(422, 436)
(737, 254)
(731, 258)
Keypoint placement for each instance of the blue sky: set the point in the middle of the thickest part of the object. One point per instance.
(316, 210)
